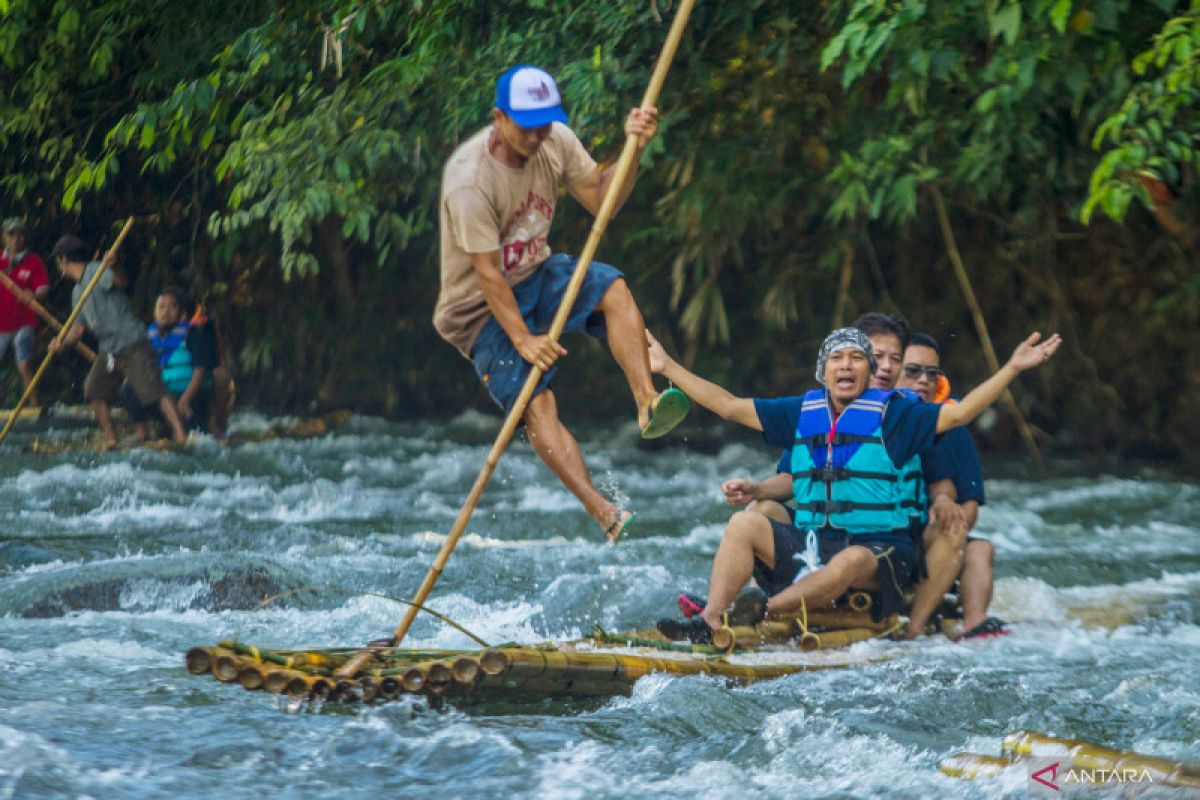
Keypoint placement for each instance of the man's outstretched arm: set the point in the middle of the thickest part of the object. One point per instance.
(1028, 355)
(716, 399)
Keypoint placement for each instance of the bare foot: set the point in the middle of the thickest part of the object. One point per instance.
(617, 529)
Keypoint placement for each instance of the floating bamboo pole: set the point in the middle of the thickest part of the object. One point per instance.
(1089, 756)
(833, 640)
(276, 681)
(227, 666)
(859, 601)
(199, 659)
(973, 765)
(252, 676)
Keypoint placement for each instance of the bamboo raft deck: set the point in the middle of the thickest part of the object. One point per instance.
(604, 665)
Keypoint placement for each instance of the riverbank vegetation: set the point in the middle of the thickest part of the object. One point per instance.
(292, 151)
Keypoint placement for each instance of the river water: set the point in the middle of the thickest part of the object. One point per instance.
(113, 565)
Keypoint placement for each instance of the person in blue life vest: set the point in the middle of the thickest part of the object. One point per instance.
(850, 444)
(937, 522)
(923, 374)
(186, 358)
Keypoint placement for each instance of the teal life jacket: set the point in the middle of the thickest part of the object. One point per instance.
(842, 475)
(173, 357)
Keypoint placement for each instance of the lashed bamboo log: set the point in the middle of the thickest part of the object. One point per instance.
(226, 667)
(973, 765)
(199, 659)
(466, 670)
(370, 688)
(413, 679)
(859, 601)
(252, 676)
(276, 681)
(390, 687)
(1090, 756)
(310, 685)
(832, 640)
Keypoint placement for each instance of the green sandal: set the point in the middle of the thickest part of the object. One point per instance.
(666, 411)
(621, 526)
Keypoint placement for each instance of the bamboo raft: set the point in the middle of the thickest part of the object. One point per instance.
(604, 665)
(1077, 762)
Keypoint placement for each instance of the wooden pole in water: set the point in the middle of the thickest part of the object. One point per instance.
(607, 208)
(87, 292)
(989, 353)
(45, 315)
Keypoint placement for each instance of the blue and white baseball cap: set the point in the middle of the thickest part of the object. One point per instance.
(530, 96)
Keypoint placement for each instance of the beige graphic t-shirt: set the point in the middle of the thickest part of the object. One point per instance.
(487, 206)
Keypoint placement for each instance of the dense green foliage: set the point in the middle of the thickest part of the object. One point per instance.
(292, 151)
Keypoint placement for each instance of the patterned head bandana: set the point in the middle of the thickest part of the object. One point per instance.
(842, 339)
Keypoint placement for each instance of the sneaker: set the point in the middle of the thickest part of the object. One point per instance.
(992, 626)
(748, 609)
(694, 630)
(691, 605)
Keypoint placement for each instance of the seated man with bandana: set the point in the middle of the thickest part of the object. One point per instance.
(851, 444)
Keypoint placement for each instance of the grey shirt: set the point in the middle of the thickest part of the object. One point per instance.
(108, 314)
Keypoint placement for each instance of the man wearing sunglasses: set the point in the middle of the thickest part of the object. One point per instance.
(957, 456)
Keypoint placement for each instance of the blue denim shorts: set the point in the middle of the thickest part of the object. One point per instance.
(23, 340)
(497, 361)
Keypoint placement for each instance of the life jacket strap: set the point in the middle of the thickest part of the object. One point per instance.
(842, 506)
(830, 474)
(822, 439)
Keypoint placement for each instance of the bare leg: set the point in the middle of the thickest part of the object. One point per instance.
(748, 535)
(943, 560)
(627, 341)
(975, 584)
(555, 445)
(167, 406)
(771, 509)
(853, 567)
(26, 370)
(104, 420)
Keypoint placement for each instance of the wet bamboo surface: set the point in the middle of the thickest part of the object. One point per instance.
(582, 669)
(1094, 759)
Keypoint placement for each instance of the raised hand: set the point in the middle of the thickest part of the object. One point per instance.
(643, 123)
(1031, 354)
(658, 355)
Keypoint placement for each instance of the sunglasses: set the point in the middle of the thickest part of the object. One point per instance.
(914, 371)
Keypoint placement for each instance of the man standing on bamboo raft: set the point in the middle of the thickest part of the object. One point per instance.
(501, 285)
(850, 445)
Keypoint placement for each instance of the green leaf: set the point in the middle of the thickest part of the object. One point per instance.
(1007, 23)
(1060, 13)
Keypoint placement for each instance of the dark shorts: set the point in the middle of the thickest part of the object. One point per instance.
(895, 555)
(136, 364)
(497, 361)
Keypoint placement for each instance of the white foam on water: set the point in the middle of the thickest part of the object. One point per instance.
(480, 542)
(545, 497)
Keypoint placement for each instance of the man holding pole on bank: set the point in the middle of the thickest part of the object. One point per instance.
(501, 285)
(125, 352)
(26, 283)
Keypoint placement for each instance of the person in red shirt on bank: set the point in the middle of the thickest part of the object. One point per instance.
(18, 322)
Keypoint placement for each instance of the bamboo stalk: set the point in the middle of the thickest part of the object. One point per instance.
(370, 689)
(413, 679)
(87, 293)
(466, 670)
(973, 765)
(607, 208)
(1090, 756)
(989, 353)
(44, 315)
(833, 640)
(843, 295)
(252, 676)
(227, 666)
(199, 659)
(310, 685)
(859, 601)
(276, 681)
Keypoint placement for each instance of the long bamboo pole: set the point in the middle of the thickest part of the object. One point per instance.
(607, 207)
(45, 315)
(87, 292)
(989, 353)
